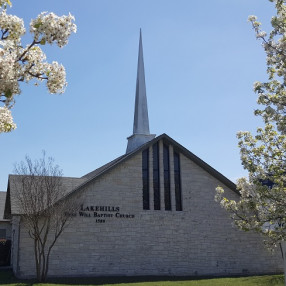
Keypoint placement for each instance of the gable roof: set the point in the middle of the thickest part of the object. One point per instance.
(97, 171)
(15, 182)
(167, 140)
(228, 183)
(73, 185)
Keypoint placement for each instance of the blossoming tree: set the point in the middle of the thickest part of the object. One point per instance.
(23, 64)
(262, 204)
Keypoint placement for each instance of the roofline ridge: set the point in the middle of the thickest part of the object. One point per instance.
(209, 169)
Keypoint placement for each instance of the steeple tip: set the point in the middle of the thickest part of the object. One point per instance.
(141, 133)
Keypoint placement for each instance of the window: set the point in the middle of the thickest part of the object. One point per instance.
(2, 233)
(165, 171)
(177, 175)
(167, 193)
(156, 177)
(145, 178)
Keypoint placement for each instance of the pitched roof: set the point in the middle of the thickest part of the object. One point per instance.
(74, 184)
(168, 140)
(15, 182)
(228, 183)
(97, 171)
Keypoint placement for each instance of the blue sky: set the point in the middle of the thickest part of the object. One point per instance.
(201, 59)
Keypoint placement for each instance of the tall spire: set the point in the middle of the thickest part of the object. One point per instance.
(141, 133)
(141, 120)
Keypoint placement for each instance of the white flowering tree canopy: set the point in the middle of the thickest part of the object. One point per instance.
(23, 64)
(262, 204)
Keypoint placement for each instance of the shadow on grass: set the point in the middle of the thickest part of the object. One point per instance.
(7, 278)
(258, 281)
(119, 279)
(276, 280)
(264, 280)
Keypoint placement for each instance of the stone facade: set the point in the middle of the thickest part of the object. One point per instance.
(113, 235)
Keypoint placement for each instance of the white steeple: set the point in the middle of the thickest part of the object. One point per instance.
(141, 133)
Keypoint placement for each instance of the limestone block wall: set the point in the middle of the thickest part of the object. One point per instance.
(16, 243)
(220, 248)
(113, 235)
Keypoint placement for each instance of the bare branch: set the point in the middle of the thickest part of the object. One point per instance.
(39, 189)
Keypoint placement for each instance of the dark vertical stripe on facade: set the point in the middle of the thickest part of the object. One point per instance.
(167, 193)
(145, 178)
(177, 175)
(156, 176)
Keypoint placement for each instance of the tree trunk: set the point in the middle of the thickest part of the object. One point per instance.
(37, 260)
(43, 268)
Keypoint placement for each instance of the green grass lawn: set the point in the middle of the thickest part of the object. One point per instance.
(7, 278)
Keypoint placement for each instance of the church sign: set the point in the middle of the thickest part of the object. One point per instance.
(103, 212)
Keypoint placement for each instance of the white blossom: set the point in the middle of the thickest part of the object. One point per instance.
(9, 85)
(6, 120)
(257, 85)
(252, 18)
(48, 27)
(261, 204)
(23, 64)
(12, 25)
(261, 34)
(56, 82)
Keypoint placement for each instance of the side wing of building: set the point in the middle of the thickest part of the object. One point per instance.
(5, 226)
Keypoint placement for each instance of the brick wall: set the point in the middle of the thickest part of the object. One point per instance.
(196, 241)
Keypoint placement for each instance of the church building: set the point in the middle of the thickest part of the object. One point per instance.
(150, 211)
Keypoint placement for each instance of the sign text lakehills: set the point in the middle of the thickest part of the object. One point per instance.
(103, 212)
